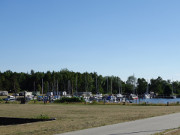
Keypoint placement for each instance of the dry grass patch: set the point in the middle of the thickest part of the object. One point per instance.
(75, 117)
(173, 132)
(170, 132)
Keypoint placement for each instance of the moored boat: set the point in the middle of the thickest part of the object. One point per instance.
(133, 97)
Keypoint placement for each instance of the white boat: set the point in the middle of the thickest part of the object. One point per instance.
(98, 95)
(133, 97)
(172, 95)
(113, 99)
(119, 96)
(147, 95)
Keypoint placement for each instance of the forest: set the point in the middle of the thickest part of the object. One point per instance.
(69, 81)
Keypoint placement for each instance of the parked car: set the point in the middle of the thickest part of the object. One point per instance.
(10, 98)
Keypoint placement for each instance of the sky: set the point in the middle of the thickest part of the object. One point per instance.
(110, 37)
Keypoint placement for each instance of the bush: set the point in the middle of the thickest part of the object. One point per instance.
(1, 100)
(94, 102)
(69, 100)
(19, 98)
(42, 116)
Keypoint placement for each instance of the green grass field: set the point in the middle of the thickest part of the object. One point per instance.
(72, 117)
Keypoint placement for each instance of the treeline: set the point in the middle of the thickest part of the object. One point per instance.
(71, 82)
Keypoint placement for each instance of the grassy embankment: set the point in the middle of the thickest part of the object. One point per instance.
(75, 117)
(170, 132)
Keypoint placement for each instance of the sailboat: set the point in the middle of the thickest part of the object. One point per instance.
(98, 95)
(119, 96)
(172, 95)
(133, 96)
(147, 95)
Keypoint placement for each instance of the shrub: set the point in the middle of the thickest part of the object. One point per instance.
(42, 116)
(1, 100)
(19, 98)
(94, 102)
(69, 100)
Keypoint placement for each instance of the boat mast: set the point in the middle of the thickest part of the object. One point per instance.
(147, 89)
(119, 86)
(111, 85)
(172, 88)
(42, 86)
(133, 84)
(86, 81)
(57, 89)
(48, 86)
(96, 85)
(107, 84)
(34, 87)
(76, 84)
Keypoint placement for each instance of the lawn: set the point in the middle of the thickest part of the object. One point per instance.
(74, 117)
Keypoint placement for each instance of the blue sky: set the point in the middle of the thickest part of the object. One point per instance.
(110, 37)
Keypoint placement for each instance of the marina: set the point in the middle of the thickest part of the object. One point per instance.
(157, 101)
